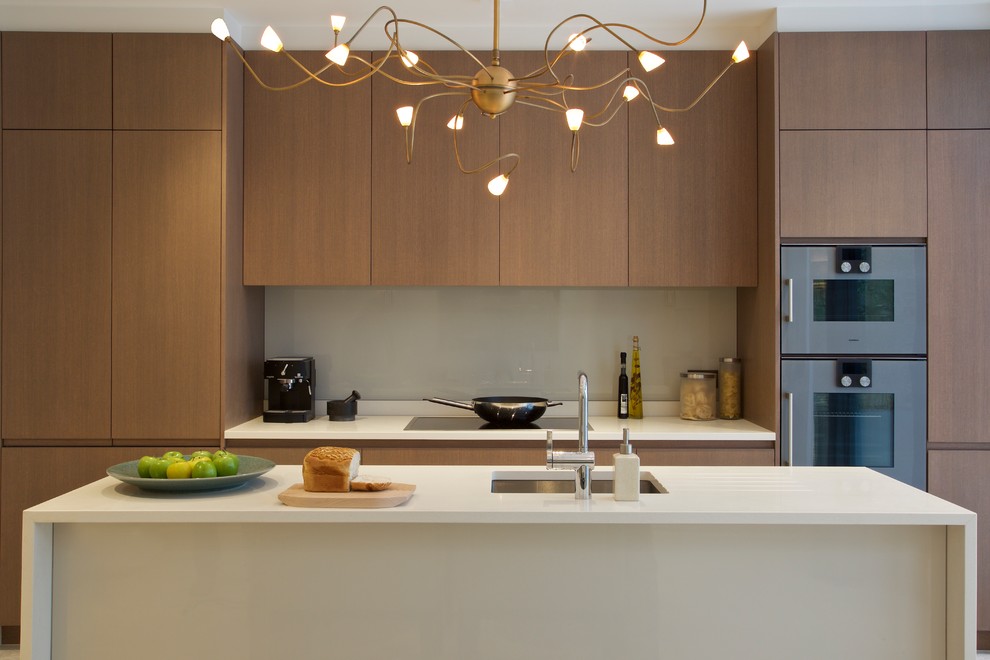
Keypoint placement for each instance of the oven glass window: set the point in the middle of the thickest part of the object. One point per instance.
(854, 429)
(854, 300)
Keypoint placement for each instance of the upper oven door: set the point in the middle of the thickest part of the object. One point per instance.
(853, 300)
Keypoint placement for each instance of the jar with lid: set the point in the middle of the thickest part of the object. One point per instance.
(698, 395)
(729, 388)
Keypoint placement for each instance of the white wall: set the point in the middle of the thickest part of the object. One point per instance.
(410, 343)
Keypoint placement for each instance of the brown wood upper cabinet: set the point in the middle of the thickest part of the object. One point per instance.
(852, 80)
(56, 287)
(166, 81)
(307, 177)
(560, 228)
(166, 286)
(959, 271)
(431, 224)
(56, 80)
(853, 183)
(692, 205)
(959, 79)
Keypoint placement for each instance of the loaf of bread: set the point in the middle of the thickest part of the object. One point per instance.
(330, 469)
(368, 482)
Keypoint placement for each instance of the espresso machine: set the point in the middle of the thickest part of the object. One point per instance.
(290, 382)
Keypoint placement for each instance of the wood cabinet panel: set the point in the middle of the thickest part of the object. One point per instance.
(30, 476)
(959, 79)
(705, 456)
(281, 455)
(692, 205)
(560, 228)
(56, 286)
(431, 224)
(853, 183)
(166, 286)
(958, 269)
(852, 80)
(452, 456)
(959, 476)
(307, 178)
(166, 81)
(56, 80)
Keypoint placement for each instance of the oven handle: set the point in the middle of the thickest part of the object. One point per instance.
(789, 316)
(789, 396)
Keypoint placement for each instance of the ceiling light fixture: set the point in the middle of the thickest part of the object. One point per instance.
(494, 89)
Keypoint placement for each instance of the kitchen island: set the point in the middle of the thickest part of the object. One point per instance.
(731, 562)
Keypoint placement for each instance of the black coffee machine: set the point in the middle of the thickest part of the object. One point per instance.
(289, 383)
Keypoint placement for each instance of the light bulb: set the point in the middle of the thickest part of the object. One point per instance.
(338, 54)
(404, 114)
(337, 23)
(574, 118)
(742, 53)
(630, 92)
(650, 60)
(409, 59)
(664, 137)
(219, 29)
(576, 42)
(270, 40)
(456, 123)
(497, 185)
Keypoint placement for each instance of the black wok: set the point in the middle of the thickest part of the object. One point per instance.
(503, 410)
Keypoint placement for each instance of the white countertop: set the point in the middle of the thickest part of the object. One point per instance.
(461, 494)
(391, 427)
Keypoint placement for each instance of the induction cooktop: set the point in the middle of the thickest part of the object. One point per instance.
(475, 424)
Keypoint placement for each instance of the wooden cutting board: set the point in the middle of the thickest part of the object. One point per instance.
(396, 494)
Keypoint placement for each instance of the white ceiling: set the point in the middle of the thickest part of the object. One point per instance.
(303, 24)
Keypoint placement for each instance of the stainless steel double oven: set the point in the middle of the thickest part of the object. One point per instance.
(854, 346)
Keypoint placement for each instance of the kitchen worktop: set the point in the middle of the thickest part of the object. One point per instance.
(745, 562)
(392, 427)
(697, 495)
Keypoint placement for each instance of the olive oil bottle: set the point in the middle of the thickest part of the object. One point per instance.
(635, 384)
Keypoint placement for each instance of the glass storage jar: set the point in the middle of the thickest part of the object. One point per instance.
(698, 395)
(729, 388)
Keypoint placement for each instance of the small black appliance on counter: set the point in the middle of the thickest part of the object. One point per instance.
(289, 384)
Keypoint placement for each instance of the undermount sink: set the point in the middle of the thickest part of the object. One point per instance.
(562, 481)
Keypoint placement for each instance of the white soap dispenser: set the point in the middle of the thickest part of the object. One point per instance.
(626, 471)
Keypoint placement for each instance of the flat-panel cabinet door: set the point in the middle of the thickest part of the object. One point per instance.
(959, 79)
(692, 205)
(836, 184)
(852, 80)
(563, 228)
(431, 224)
(166, 287)
(959, 277)
(307, 177)
(56, 287)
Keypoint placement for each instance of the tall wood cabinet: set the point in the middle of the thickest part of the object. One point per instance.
(692, 205)
(56, 286)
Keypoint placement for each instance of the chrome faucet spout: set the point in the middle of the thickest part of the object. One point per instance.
(581, 461)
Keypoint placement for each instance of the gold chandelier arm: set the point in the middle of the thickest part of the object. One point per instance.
(368, 20)
(435, 31)
(378, 64)
(411, 129)
(460, 164)
(541, 102)
(254, 74)
(588, 118)
(700, 96)
(571, 88)
(575, 150)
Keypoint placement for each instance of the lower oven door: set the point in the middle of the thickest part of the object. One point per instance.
(856, 412)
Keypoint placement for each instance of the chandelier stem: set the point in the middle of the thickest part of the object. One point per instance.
(496, 59)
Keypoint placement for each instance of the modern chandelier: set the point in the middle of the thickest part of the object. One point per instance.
(493, 90)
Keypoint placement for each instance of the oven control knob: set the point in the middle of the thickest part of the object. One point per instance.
(846, 381)
(864, 381)
(864, 267)
(845, 266)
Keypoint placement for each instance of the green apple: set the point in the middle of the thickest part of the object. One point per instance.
(203, 453)
(226, 465)
(223, 453)
(203, 470)
(174, 454)
(159, 468)
(144, 466)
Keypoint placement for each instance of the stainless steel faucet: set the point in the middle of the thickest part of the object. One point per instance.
(581, 461)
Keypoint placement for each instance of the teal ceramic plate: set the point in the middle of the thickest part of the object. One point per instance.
(250, 467)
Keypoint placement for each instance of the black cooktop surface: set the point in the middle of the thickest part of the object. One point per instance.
(475, 423)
